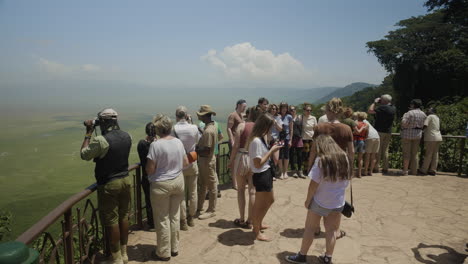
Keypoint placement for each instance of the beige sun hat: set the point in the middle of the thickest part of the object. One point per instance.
(205, 109)
(108, 113)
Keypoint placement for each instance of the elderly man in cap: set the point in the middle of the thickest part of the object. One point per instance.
(110, 152)
(208, 178)
(189, 135)
(384, 113)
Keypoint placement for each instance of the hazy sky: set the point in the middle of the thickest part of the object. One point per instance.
(293, 43)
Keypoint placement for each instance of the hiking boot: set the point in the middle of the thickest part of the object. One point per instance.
(183, 225)
(190, 221)
(206, 215)
(298, 258)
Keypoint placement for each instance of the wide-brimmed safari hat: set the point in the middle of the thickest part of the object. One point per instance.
(205, 109)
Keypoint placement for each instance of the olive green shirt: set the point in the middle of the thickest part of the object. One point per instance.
(97, 148)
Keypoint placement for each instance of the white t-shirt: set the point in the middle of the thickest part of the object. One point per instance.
(308, 125)
(257, 150)
(169, 158)
(373, 134)
(187, 133)
(432, 131)
(323, 119)
(329, 194)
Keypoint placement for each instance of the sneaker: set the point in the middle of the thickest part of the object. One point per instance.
(174, 254)
(295, 175)
(207, 215)
(301, 175)
(190, 221)
(123, 249)
(183, 225)
(298, 258)
(274, 178)
(404, 173)
(422, 173)
(326, 259)
(432, 173)
(219, 194)
(285, 176)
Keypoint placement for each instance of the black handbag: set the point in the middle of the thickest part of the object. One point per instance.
(348, 208)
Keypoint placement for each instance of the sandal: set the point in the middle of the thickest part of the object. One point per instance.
(342, 234)
(239, 223)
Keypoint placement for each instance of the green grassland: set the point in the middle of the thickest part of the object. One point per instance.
(40, 162)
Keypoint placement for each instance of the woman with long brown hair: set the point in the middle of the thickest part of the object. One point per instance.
(260, 155)
(330, 175)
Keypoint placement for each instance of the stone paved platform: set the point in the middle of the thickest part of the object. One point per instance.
(399, 219)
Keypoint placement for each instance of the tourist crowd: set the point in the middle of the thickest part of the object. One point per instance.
(267, 142)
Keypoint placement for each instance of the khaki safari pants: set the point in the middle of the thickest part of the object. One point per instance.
(208, 180)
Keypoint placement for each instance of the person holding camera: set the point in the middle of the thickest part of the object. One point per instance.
(384, 113)
(110, 152)
(143, 149)
(189, 135)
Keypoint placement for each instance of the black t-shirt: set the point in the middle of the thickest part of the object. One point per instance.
(143, 149)
(384, 116)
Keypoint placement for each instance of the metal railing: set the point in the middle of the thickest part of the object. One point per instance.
(82, 234)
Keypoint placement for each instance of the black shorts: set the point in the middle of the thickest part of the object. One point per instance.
(263, 181)
(284, 151)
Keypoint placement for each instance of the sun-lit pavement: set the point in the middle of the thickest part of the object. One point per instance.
(410, 219)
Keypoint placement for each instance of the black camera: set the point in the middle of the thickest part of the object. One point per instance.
(96, 122)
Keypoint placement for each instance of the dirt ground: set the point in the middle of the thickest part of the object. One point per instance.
(398, 219)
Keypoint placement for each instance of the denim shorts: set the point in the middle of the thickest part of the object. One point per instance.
(359, 146)
(322, 211)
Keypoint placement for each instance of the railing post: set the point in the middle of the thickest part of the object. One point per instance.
(139, 214)
(462, 152)
(68, 236)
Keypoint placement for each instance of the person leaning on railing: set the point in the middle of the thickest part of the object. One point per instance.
(110, 152)
(432, 140)
(411, 132)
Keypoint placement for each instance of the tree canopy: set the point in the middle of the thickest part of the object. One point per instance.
(427, 55)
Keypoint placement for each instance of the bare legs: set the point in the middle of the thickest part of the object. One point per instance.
(283, 166)
(242, 180)
(263, 202)
(332, 224)
(369, 163)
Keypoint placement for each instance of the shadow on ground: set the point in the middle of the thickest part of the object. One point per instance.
(298, 233)
(449, 257)
(236, 237)
(223, 224)
(310, 259)
(140, 252)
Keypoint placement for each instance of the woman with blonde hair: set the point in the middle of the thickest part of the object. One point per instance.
(260, 155)
(165, 161)
(341, 133)
(330, 175)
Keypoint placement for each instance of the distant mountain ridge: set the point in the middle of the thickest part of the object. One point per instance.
(345, 91)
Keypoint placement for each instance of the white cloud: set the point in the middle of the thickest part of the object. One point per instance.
(244, 61)
(58, 69)
(90, 68)
(54, 67)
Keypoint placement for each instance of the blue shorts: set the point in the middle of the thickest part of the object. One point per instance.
(359, 146)
(322, 211)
